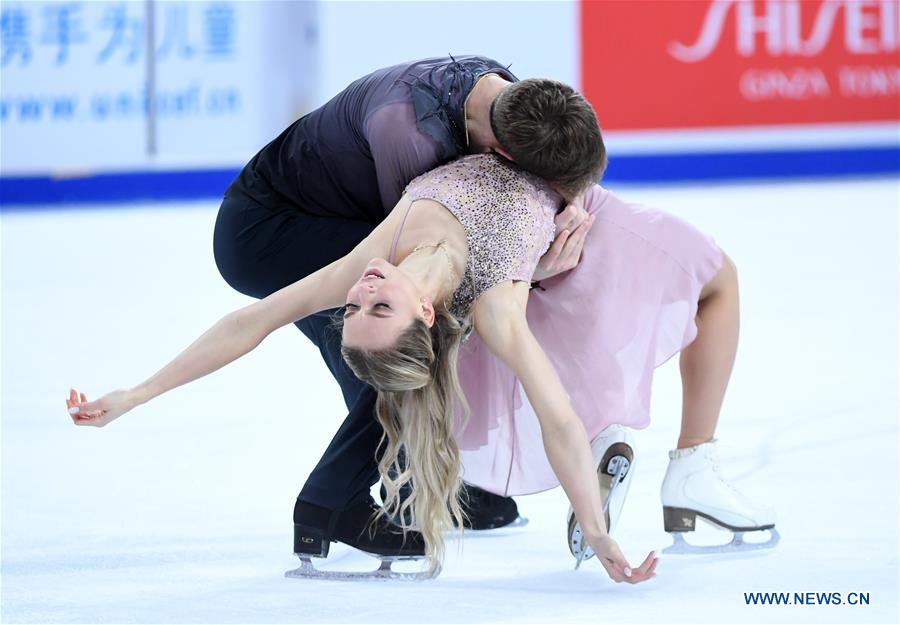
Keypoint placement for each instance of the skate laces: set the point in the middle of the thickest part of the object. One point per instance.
(712, 455)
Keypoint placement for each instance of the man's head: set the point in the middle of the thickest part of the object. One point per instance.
(549, 129)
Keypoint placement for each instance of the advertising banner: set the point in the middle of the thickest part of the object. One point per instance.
(99, 85)
(732, 63)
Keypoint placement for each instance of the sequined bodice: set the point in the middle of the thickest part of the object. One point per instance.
(507, 215)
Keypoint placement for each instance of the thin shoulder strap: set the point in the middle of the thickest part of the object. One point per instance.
(397, 234)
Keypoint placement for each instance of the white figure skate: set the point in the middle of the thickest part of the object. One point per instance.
(693, 487)
(613, 451)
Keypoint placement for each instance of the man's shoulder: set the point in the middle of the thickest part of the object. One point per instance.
(419, 67)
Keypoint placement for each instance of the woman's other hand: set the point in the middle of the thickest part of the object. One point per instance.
(617, 566)
(565, 252)
(101, 411)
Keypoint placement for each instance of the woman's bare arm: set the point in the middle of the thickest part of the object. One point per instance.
(500, 321)
(233, 336)
(242, 330)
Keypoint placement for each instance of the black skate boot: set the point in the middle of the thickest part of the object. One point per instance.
(484, 510)
(487, 511)
(315, 528)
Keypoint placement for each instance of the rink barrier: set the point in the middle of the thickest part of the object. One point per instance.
(42, 191)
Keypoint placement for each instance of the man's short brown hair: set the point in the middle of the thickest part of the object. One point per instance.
(550, 130)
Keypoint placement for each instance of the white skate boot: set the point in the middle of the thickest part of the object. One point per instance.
(613, 451)
(693, 487)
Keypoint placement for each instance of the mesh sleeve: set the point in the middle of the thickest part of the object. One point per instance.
(399, 150)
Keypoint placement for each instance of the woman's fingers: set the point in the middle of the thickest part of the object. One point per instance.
(618, 561)
(622, 572)
(565, 251)
(83, 412)
(572, 254)
(572, 217)
(80, 408)
(552, 255)
(613, 572)
(72, 402)
(645, 571)
(647, 563)
(565, 218)
(584, 228)
(613, 560)
(91, 408)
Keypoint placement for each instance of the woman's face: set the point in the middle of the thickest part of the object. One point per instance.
(380, 306)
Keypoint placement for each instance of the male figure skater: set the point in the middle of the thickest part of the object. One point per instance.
(337, 171)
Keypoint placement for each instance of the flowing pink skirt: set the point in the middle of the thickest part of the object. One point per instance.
(606, 325)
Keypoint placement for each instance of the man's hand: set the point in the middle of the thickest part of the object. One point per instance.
(572, 226)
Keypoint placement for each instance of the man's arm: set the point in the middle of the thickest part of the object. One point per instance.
(399, 150)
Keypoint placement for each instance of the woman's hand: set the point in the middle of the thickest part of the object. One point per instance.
(572, 226)
(616, 565)
(101, 411)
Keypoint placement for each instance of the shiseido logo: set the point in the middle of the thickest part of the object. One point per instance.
(869, 27)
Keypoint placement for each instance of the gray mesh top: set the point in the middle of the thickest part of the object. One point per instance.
(507, 215)
(353, 156)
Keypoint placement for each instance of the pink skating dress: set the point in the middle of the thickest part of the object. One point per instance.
(625, 309)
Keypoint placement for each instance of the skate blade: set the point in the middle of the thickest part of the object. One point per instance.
(520, 521)
(495, 531)
(383, 573)
(620, 461)
(680, 546)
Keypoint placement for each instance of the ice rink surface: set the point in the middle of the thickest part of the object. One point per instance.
(180, 511)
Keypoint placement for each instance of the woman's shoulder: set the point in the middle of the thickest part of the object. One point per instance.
(487, 172)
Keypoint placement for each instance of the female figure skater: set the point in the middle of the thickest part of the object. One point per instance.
(586, 343)
(468, 236)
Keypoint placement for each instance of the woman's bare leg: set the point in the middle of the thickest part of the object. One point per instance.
(707, 362)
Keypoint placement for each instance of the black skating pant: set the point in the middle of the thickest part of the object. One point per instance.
(259, 250)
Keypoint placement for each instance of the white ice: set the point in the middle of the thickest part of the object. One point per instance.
(180, 511)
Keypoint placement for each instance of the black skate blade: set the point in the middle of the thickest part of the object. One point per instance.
(384, 572)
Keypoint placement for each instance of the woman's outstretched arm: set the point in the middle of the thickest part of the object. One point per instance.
(501, 323)
(239, 332)
(233, 336)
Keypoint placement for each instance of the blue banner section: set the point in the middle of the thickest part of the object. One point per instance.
(137, 186)
(34, 192)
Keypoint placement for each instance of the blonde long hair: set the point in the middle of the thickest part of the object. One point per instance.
(418, 392)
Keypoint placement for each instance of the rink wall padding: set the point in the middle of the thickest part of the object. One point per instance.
(42, 191)
(115, 187)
